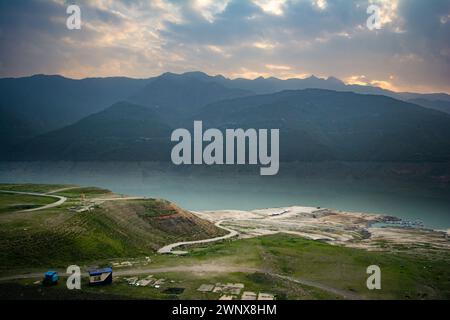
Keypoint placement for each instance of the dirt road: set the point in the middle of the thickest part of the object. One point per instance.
(206, 268)
(60, 201)
(170, 247)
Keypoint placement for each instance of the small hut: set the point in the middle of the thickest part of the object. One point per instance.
(50, 278)
(100, 276)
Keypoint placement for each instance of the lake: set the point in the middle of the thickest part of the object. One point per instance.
(345, 187)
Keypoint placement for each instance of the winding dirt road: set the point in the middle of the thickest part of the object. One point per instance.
(60, 201)
(170, 247)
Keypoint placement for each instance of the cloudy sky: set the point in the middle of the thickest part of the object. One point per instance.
(236, 38)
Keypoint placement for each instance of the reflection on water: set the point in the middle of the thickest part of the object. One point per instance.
(205, 189)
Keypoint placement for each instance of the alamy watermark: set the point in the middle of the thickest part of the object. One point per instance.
(73, 22)
(374, 280)
(74, 278)
(241, 146)
(374, 20)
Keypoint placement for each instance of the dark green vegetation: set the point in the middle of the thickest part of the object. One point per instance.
(123, 131)
(57, 236)
(256, 282)
(37, 104)
(440, 105)
(14, 202)
(325, 267)
(327, 125)
(315, 124)
(404, 276)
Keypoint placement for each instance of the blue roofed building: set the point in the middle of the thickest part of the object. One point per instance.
(50, 278)
(100, 276)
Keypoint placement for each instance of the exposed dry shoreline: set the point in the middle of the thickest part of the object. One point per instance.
(352, 229)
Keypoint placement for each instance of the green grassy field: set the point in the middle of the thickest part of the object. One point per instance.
(130, 230)
(404, 276)
(57, 236)
(14, 202)
(120, 289)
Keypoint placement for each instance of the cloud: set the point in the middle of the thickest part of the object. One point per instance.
(264, 45)
(277, 67)
(320, 4)
(209, 9)
(251, 38)
(275, 7)
(362, 80)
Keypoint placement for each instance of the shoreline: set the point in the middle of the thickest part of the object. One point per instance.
(351, 229)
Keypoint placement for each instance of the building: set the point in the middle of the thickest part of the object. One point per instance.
(100, 276)
(249, 295)
(50, 278)
(266, 296)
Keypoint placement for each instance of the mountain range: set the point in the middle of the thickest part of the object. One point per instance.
(55, 118)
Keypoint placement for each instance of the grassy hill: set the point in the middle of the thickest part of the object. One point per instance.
(328, 125)
(37, 104)
(315, 125)
(123, 131)
(324, 266)
(112, 229)
(404, 275)
(32, 106)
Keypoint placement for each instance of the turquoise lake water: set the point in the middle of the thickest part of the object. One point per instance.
(209, 190)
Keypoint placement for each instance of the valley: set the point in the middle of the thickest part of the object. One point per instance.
(291, 252)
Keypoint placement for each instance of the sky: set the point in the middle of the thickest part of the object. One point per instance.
(235, 38)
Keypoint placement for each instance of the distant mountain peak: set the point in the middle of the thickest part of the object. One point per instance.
(196, 73)
(313, 77)
(168, 75)
(219, 76)
(48, 76)
(335, 80)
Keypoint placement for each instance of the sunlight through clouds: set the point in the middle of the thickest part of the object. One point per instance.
(321, 4)
(210, 8)
(271, 6)
(251, 38)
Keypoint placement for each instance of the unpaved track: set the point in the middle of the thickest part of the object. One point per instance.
(170, 247)
(199, 268)
(339, 292)
(207, 268)
(60, 201)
